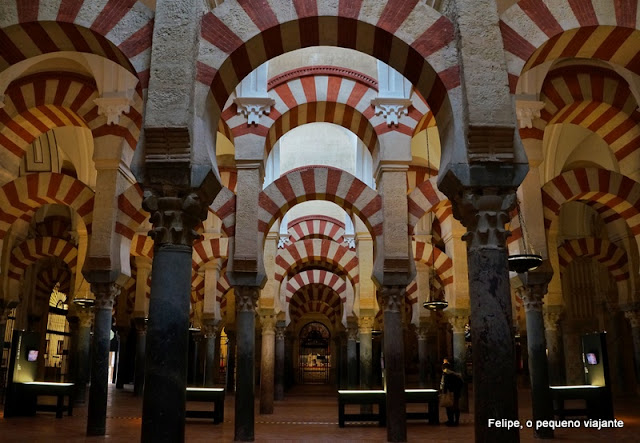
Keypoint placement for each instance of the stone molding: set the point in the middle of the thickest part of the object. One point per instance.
(392, 298)
(527, 111)
(167, 145)
(308, 71)
(174, 218)
(113, 107)
(105, 294)
(246, 298)
(391, 108)
(254, 107)
(633, 317)
(484, 213)
(491, 144)
(365, 325)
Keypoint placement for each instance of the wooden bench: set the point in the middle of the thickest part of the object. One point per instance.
(214, 395)
(428, 396)
(362, 397)
(37, 389)
(597, 401)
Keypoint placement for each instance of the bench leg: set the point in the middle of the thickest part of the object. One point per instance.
(382, 407)
(341, 415)
(60, 406)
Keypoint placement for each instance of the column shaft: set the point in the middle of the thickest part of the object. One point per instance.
(279, 369)
(210, 367)
(123, 335)
(366, 359)
(267, 366)
(230, 381)
(97, 410)
(352, 359)
(167, 345)
(246, 300)
(141, 343)
(83, 346)
(392, 302)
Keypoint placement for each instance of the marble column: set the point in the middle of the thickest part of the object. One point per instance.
(166, 358)
(195, 358)
(83, 346)
(352, 356)
(458, 322)
(554, 347)
(423, 361)
(246, 302)
(634, 320)
(392, 298)
(279, 369)
(484, 212)
(141, 343)
(123, 335)
(230, 380)
(365, 327)
(105, 294)
(210, 332)
(535, 287)
(267, 363)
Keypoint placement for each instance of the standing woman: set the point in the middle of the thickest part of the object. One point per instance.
(451, 382)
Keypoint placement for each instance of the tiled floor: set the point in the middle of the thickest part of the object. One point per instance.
(306, 415)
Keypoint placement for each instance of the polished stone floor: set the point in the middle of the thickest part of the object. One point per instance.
(308, 414)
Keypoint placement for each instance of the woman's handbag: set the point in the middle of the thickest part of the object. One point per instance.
(446, 399)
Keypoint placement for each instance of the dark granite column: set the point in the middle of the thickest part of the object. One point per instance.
(105, 294)
(210, 331)
(246, 302)
(535, 287)
(344, 381)
(267, 363)
(366, 358)
(352, 356)
(554, 346)
(141, 343)
(123, 334)
(484, 212)
(174, 219)
(458, 320)
(634, 320)
(392, 303)
(195, 358)
(230, 381)
(423, 361)
(279, 370)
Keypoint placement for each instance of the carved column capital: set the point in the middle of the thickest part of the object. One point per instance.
(633, 317)
(392, 298)
(484, 212)
(268, 323)
(551, 320)
(352, 331)
(85, 317)
(246, 298)
(280, 332)
(365, 324)
(422, 332)
(458, 323)
(532, 299)
(105, 294)
(527, 111)
(140, 324)
(174, 217)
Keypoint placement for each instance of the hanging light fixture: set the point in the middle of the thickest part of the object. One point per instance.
(528, 260)
(436, 301)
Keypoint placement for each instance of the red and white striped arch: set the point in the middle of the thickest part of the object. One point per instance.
(318, 277)
(416, 40)
(595, 98)
(316, 226)
(229, 178)
(427, 197)
(49, 277)
(130, 213)
(320, 183)
(426, 253)
(209, 249)
(606, 188)
(416, 175)
(40, 102)
(120, 30)
(30, 251)
(316, 252)
(608, 254)
(142, 246)
(315, 298)
(537, 31)
(21, 197)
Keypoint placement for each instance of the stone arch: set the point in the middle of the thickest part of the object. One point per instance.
(315, 251)
(320, 183)
(424, 52)
(316, 226)
(61, 27)
(49, 277)
(441, 262)
(211, 249)
(607, 188)
(319, 277)
(142, 246)
(30, 251)
(535, 32)
(21, 197)
(608, 254)
(427, 197)
(315, 298)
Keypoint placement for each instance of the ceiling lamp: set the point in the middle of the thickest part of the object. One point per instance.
(84, 302)
(527, 261)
